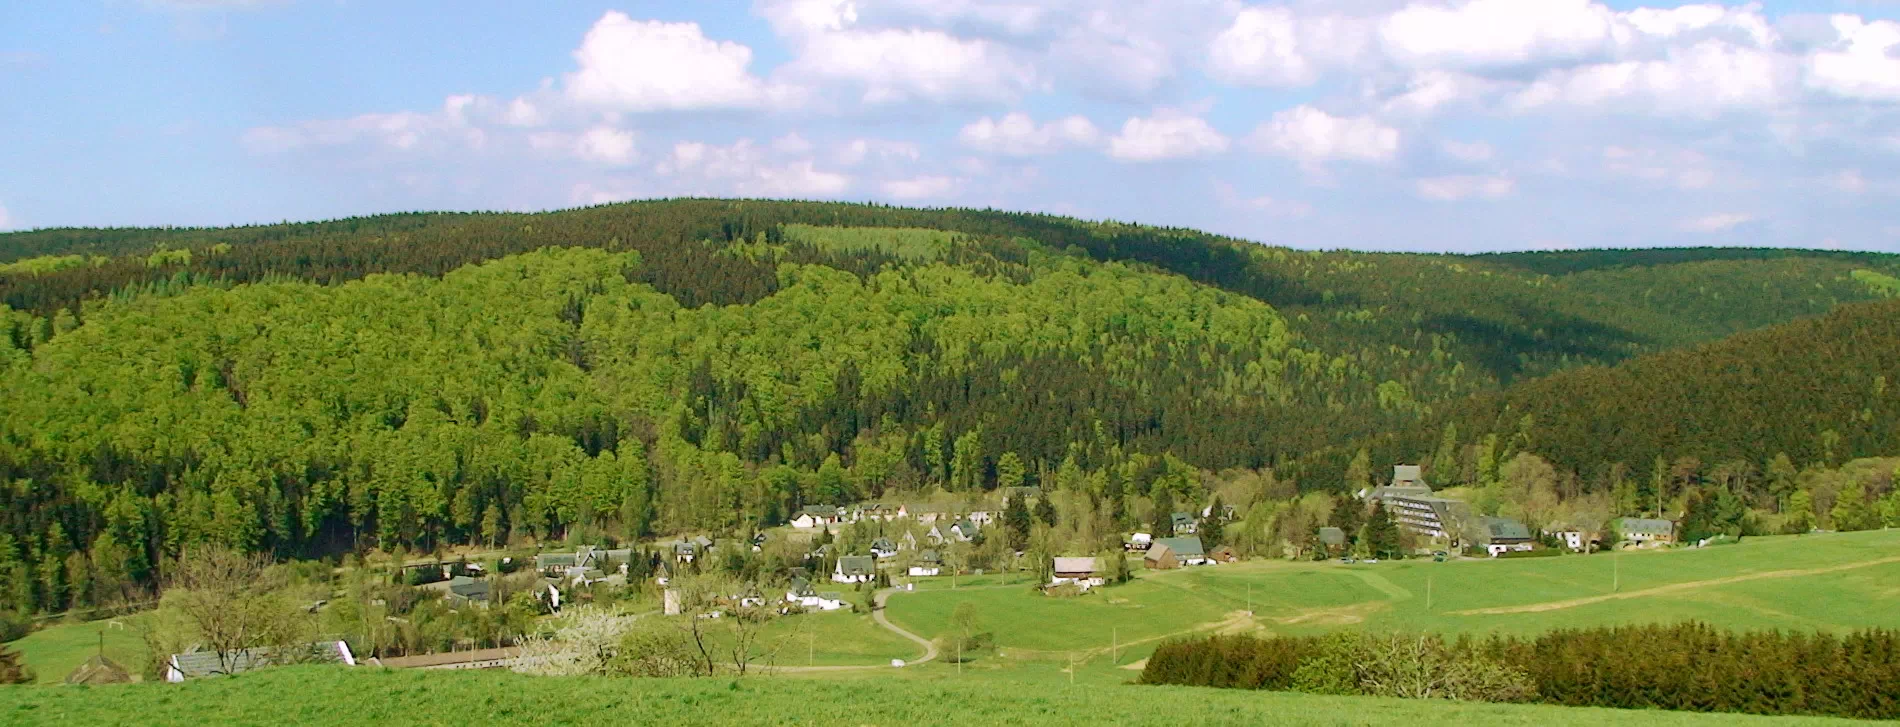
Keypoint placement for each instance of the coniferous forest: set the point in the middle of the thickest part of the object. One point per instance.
(418, 380)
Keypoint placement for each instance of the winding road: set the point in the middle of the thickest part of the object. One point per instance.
(877, 614)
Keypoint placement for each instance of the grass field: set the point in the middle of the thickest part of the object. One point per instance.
(54, 651)
(318, 695)
(1827, 582)
(834, 638)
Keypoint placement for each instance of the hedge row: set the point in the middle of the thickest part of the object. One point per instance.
(1689, 666)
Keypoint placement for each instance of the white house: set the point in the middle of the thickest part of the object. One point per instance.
(855, 569)
(927, 564)
(1140, 541)
(981, 517)
(1085, 573)
(963, 530)
(1573, 539)
(810, 599)
(883, 548)
(815, 516)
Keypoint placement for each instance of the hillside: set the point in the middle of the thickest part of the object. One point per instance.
(658, 367)
(934, 695)
(1816, 390)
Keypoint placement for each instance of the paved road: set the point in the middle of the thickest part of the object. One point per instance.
(877, 614)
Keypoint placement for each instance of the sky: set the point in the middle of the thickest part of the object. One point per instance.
(1429, 125)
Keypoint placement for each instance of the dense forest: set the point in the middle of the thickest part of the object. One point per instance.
(708, 365)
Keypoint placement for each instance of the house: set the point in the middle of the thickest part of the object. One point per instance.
(883, 548)
(1227, 512)
(1160, 557)
(821, 552)
(805, 596)
(1138, 541)
(935, 535)
(1646, 530)
(1085, 573)
(702, 543)
(463, 589)
(879, 511)
(907, 541)
(1011, 493)
(928, 563)
(1332, 539)
(855, 569)
(1187, 550)
(981, 517)
(684, 551)
(815, 516)
(1413, 506)
(554, 563)
(758, 541)
(928, 513)
(751, 597)
(206, 663)
(1572, 539)
(1504, 535)
(1184, 524)
(963, 530)
(1223, 554)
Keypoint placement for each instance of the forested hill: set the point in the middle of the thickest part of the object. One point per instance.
(1813, 393)
(711, 365)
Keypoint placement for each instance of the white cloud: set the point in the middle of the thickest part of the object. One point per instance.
(1313, 136)
(1494, 33)
(606, 145)
(856, 151)
(1016, 134)
(746, 169)
(6, 218)
(1459, 187)
(1710, 77)
(1847, 180)
(921, 187)
(1867, 67)
(453, 127)
(648, 65)
(1262, 47)
(1476, 151)
(894, 65)
(1682, 169)
(1166, 135)
(1430, 91)
(1260, 204)
(1716, 222)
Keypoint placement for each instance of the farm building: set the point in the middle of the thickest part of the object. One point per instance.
(1084, 572)
(206, 663)
(1504, 535)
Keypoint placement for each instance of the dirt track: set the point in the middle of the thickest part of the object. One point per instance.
(1671, 588)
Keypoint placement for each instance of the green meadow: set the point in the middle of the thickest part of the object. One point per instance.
(1811, 582)
(55, 651)
(928, 695)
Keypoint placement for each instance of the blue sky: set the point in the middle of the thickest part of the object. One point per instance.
(1373, 124)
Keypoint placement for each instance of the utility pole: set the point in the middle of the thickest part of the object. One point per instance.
(1071, 668)
(1428, 592)
(1115, 646)
(1249, 598)
(1616, 571)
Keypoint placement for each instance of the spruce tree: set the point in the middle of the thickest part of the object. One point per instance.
(1016, 523)
(1164, 513)
(1046, 511)
(1382, 534)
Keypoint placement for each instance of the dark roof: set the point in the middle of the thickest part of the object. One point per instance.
(1186, 547)
(928, 556)
(469, 588)
(801, 587)
(1332, 536)
(819, 510)
(205, 663)
(1506, 529)
(883, 544)
(554, 560)
(1645, 525)
(1181, 518)
(857, 565)
(1157, 551)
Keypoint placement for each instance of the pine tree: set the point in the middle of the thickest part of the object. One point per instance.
(1211, 527)
(1348, 515)
(1045, 511)
(1016, 524)
(1382, 534)
(1164, 513)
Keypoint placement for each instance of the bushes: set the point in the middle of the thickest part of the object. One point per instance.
(1690, 667)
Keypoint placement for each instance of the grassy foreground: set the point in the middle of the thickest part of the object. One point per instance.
(320, 695)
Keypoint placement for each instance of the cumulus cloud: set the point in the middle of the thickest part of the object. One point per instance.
(1313, 136)
(1494, 33)
(893, 64)
(1706, 78)
(649, 65)
(1864, 65)
(1719, 222)
(1459, 187)
(1166, 135)
(748, 170)
(1016, 134)
(928, 186)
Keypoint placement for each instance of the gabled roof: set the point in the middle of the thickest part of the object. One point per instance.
(883, 544)
(1332, 536)
(1407, 475)
(702, 541)
(469, 588)
(1185, 547)
(1157, 551)
(1077, 565)
(555, 560)
(205, 663)
(802, 588)
(1645, 525)
(1506, 529)
(819, 510)
(857, 565)
(929, 556)
(1181, 518)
